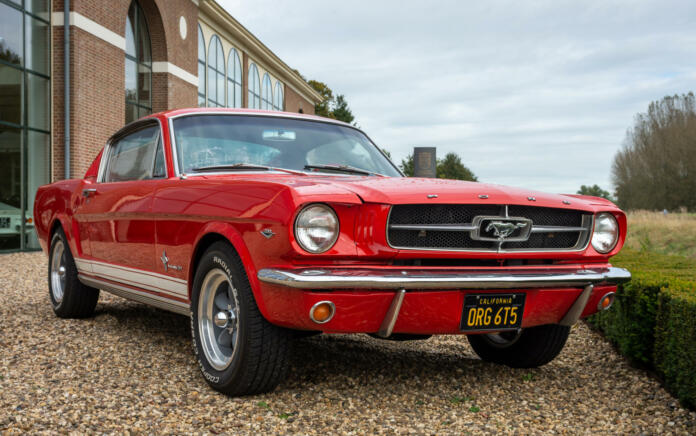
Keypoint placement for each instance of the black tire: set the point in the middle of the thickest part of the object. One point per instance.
(530, 348)
(258, 362)
(69, 297)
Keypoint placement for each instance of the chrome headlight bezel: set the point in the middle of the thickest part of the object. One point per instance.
(605, 224)
(302, 236)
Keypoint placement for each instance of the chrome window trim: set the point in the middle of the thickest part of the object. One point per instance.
(585, 215)
(125, 131)
(286, 115)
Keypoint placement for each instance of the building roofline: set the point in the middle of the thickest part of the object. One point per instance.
(259, 50)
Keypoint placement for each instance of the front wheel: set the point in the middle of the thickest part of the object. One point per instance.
(527, 348)
(238, 351)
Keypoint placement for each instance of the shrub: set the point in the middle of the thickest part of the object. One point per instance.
(675, 341)
(653, 320)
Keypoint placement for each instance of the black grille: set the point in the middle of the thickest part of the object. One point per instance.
(463, 215)
(546, 216)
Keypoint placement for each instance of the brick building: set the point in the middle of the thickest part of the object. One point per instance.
(127, 58)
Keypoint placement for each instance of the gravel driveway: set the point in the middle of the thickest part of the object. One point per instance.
(131, 368)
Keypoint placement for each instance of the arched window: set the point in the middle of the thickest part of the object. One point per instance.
(254, 97)
(138, 65)
(201, 67)
(267, 96)
(216, 73)
(234, 80)
(278, 99)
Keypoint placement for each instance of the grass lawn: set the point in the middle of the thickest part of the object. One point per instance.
(672, 233)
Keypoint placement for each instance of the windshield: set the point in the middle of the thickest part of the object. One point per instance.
(207, 141)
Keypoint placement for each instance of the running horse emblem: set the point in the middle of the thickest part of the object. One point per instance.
(502, 229)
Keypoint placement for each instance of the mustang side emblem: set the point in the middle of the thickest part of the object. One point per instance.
(165, 261)
(504, 229)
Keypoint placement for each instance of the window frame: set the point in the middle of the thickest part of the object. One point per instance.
(138, 63)
(174, 147)
(279, 92)
(128, 130)
(266, 103)
(250, 93)
(212, 101)
(25, 126)
(234, 61)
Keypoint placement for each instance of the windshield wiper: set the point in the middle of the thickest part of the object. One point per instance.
(237, 166)
(244, 167)
(342, 168)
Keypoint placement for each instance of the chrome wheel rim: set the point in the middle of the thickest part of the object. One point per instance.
(503, 339)
(218, 319)
(58, 271)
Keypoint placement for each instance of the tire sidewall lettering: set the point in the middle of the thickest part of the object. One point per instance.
(207, 371)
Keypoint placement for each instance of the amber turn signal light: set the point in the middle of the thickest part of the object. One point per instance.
(322, 312)
(606, 301)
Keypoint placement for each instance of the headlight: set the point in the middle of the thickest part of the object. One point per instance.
(316, 228)
(606, 233)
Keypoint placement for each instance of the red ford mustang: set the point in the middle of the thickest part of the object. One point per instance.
(263, 226)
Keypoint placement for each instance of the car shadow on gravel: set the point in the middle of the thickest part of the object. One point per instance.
(385, 363)
(145, 321)
(340, 362)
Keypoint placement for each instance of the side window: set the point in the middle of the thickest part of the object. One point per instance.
(132, 157)
(159, 171)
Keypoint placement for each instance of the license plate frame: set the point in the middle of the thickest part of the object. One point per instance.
(483, 319)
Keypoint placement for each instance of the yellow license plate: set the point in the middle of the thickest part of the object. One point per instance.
(492, 312)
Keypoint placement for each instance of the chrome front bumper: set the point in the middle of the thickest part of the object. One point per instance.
(346, 278)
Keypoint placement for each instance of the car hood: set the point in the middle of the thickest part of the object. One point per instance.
(413, 190)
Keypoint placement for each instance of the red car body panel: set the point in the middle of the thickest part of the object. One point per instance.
(120, 233)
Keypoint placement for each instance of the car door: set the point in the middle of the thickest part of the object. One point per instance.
(118, 207)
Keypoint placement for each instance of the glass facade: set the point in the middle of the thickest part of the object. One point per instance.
(25, 119)
(216, 73)
(138, 65)
(234, 80)
(254, 85)
(267, 96)
(278, 99)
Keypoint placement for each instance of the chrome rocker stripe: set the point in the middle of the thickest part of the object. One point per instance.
(148, 280)
(136, 295)
(440, 279)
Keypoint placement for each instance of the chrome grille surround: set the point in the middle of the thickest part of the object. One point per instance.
(573, 234)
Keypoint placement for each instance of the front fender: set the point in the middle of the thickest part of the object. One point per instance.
(234, 237)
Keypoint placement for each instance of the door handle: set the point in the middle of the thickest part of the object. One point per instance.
(89, 191)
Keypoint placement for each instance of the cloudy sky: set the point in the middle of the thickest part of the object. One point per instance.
(535, 94)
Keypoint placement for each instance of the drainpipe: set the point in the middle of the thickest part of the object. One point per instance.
(66, 82)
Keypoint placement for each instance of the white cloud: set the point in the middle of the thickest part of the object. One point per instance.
(534, 94)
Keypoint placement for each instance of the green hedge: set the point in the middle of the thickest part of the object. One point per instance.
(653, 320)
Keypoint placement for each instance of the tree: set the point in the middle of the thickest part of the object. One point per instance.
(335, 107)
(341, 111)
(594, 191)
(451, 167)
(407, 165)
(323, 109)
(656, 167)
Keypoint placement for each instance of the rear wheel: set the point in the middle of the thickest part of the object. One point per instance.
(238, 351)
(69, 297)
(527, 348)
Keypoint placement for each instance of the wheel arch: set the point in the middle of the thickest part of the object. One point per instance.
(225, 232)
(61, 222)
